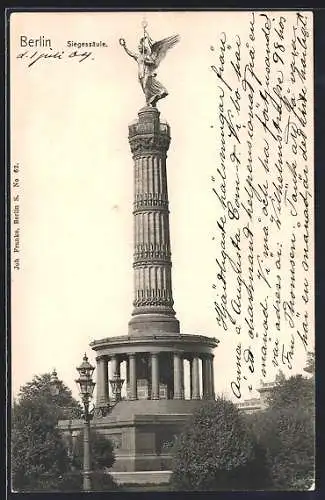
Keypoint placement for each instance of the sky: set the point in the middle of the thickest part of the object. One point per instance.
(69, 133)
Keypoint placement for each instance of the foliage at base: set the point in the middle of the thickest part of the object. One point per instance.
(37, 446)
(217, 452)
(102, 451)
(69, 482)
(286, 432)
(41, 460)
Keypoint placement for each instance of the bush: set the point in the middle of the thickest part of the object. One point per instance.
(218, 452)
(102, 453)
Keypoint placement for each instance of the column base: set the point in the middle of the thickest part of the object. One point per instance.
(145, 324)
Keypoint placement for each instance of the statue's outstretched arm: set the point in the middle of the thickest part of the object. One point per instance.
(129, 52)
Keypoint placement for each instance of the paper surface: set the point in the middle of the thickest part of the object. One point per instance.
(240, 180)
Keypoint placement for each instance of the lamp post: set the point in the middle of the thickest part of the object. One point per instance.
(54, 383)
(116, 384)
(86, 388)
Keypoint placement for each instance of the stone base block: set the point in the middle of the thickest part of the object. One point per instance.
(142, 477)
(143, 324)
(142, 432)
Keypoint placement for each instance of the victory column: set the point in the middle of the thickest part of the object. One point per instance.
(154, 351)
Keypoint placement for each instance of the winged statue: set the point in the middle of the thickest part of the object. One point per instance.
(148, 58)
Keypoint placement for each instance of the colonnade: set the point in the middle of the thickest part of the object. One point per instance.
(206, 375)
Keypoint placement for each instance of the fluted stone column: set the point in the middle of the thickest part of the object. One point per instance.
(102, 381)
(212, 377)
(191, 376)
(127, 371)
(195, 378)
(182, 378)
(153, 301)
(177, 377)
(154, 376)
(133, 376)
(206, 382)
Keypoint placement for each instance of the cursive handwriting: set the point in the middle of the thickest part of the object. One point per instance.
(262, 187)
(31, 57)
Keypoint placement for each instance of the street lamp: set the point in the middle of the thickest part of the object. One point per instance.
(54, 383)
(86, 388)
(116, 384)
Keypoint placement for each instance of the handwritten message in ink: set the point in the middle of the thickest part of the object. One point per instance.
(263, 189)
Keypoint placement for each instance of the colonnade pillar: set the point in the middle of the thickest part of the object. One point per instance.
(102, 397)
(154, 376)
(195, 378)
(182, 378)
(211, 358)
(206, 378)
(177, 376)
(133, 376)
(103, 390)
(191, 377)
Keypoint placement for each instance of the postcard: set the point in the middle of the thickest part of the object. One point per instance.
(162, 222)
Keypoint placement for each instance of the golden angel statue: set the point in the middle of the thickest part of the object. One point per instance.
(149, 57)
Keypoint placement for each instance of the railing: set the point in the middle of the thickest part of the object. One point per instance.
(148, 128)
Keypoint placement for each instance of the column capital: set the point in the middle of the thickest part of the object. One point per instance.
(101, 357)
(205, 355)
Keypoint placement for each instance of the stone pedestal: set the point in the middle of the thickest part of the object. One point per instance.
(142, 432)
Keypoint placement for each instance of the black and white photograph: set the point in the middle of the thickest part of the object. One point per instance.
(162, 251)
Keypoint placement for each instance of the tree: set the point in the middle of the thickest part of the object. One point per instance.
(40, 459)
(296, 391)
(310, 365)
(36, 443)
(286, 431)
(216, 451)
(40, 389)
